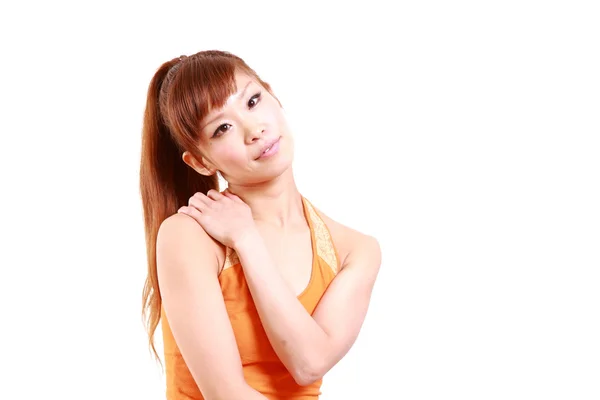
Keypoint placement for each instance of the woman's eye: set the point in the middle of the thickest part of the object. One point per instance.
(254, 100)
(219, 129)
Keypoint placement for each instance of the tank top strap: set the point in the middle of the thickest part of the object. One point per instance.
(324, 243)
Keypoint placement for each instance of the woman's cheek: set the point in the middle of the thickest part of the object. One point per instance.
(230, 157)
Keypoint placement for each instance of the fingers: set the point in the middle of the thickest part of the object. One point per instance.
(215, 195)
(199, 201)
(203, 201)
(192, 212)
(232, 196)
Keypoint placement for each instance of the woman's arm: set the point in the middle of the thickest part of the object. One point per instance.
(195, 309)
(311, 346)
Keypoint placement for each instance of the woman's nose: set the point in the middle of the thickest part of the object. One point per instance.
(254, 132)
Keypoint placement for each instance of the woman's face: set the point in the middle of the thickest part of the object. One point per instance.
(232, 139)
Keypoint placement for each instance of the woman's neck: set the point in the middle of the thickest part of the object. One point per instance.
(277, 202)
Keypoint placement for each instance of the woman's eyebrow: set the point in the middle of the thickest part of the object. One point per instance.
(219, 115)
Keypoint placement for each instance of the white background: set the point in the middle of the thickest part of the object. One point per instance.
(463, 135)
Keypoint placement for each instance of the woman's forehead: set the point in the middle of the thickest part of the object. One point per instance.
(241, 80)
(243, 83)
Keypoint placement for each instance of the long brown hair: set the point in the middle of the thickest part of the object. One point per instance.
(181, 93)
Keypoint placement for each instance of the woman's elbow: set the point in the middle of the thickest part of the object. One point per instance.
(307, 375)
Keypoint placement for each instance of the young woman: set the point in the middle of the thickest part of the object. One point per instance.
(259, 292)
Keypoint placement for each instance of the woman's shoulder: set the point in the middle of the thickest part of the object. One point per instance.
(345, 238)
(179, 232)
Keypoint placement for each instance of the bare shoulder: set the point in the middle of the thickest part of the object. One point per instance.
(349, 241)
(179, 234)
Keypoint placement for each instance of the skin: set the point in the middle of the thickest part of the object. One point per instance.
(260, 216)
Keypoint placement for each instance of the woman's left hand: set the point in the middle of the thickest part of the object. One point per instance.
(224, 216)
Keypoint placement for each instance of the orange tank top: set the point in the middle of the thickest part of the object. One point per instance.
(262, 368)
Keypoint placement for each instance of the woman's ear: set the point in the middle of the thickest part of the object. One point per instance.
(202, 167)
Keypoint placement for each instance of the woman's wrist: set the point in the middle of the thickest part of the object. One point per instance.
(246, 240)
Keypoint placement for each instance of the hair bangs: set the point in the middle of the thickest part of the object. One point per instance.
(200, 86)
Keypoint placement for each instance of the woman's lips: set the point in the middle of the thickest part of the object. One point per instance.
(271, 151)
